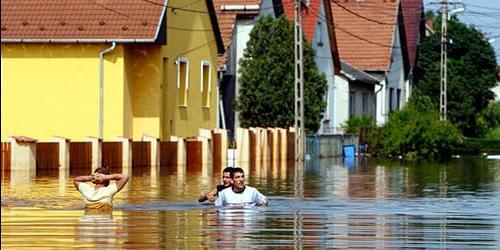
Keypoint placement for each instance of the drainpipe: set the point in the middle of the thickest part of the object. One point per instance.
(101, 87)
(376, 92)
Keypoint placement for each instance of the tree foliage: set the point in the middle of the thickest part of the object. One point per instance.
(415, 132)
(471, 73)
(266, 95)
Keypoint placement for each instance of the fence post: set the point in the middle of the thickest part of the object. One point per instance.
(126, 154)
(155, 147)
(207, 151)
(63, 151)
(242, 152)
(23, 158)
(96, 151)
(181, 154)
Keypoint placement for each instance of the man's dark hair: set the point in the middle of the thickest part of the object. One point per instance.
(228, 170)
(237, 170)
(102, 170)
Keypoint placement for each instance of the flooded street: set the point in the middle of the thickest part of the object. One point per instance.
(328, 203)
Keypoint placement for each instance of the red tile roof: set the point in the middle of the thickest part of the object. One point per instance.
(81, 19)
(227, 19)
(309, 16)
(365, 31)
(413, 20)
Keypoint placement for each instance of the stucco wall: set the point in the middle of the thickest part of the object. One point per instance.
(53, 89)
(195, 46)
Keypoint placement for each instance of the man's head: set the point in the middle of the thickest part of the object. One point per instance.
(238, 176)
(226, 176)
(98, 172)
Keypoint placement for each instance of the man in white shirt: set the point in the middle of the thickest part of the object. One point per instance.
(240, 195)
(98, 195)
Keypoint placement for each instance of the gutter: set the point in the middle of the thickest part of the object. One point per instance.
(101, 87)
(9, 40)
(244, 7)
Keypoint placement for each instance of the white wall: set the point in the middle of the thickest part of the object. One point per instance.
(324, 62)
(395, 75)
(341, 97)
(240, 38)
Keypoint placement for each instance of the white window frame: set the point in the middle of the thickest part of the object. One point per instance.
(204, 64)
(178, 62)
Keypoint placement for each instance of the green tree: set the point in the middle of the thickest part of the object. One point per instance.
(266, 95)
(471, 73)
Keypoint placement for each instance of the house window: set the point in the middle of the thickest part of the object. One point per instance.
(182, 81)
(352, 103)
(398, 100)
(205, 84)
(391, 102)
(365, 103)
(320, 39)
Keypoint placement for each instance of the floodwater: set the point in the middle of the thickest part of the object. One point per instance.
(326, 204)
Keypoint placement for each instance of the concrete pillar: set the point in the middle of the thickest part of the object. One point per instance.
(23, 160)
(63, 151)
(96, 151)
(23, 153)
(155, 149)
(242, 152)
(207, 150)
(126, 154)
(282, 133)
(181, 155)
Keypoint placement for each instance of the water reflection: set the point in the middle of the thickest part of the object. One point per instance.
(325, 203)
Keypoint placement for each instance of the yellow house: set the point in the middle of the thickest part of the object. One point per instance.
(108, 68)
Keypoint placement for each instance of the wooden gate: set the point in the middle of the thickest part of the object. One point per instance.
(141, 156)
(193, 156)
(112, 156)
(80, 158)
(168, 157)
(253, 153)
(47, 158)
(6, 157)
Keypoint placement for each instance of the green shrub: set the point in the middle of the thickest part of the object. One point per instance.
(354, 124)
(415, 133)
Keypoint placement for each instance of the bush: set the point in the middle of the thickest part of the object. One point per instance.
(354, 124)
(415, 133)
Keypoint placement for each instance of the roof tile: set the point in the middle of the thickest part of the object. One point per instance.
(80, 19)
(364, 31)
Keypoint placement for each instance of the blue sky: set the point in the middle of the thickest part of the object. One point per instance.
(483, 14)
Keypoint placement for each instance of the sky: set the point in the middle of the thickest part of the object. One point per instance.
(483, 14)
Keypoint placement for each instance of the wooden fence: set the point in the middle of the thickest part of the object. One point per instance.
(141, 157)
(6, 157)
(47, 158)
(112, 156)
(193, 156)
(80, 158)
(168, 157)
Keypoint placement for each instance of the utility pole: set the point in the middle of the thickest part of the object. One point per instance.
(444, 59)
(299, 83)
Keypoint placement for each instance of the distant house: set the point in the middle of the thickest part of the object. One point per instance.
(380, 39)
(155, 66)
(236, 19)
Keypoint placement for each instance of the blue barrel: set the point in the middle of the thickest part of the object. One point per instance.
(349, 150)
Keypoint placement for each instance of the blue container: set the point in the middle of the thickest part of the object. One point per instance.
(349, 150)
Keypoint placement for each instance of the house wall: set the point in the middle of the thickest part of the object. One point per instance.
(341, 107)
(324, 62)
(144, 91)
(395, 76)
(360, 91)
(53, 89)
(195, 46)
